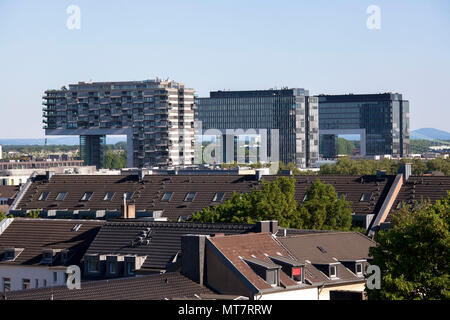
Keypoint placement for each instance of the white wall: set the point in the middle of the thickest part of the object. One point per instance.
(18, 273)
(301, 294)
(324, 293)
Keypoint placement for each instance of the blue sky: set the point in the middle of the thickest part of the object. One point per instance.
(322, 45)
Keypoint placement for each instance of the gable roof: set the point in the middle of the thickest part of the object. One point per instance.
(149, 192)
(8, 191)
(154, 287)
(417, 188)
(238, 248)
(116, 237)
(35, 235)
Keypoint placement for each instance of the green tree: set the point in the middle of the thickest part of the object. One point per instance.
(32, 214)
(4, 216)
(276, 201)
(323, 210)
(413, 255)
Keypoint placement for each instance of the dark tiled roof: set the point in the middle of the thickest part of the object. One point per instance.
(154, 287)
(164, 237)
(417, 188)
(35, 235)
(8, 191)
(340, 245)
(329, 248)
(237, 248)
(148, 193)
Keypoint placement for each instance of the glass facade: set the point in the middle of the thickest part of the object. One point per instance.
(291, 111)
(384, 117)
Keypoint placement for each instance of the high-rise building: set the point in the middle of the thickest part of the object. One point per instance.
(156, 116)
(291, 111)
(381, 120)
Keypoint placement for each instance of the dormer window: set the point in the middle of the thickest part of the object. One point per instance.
(93, 266)
(333, 271)
(11, 254)
(268, 271)
(359, 269)
(49, 255)
(87, 196)
(294, 269)
(112, 267)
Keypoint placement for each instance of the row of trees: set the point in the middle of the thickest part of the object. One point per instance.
(348, 166)
(322, 209)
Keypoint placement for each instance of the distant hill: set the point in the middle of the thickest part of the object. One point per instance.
(69, 141)
(430, 134)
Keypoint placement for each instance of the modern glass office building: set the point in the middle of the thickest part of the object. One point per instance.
(292, 111)
(156, 116)
(381, 120)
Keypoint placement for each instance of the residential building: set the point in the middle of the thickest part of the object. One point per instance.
(35, 253)
(7, 196)
(177, 197)
(381, 121)
(261, 266)
(157, 117)
(290, 111)
(168, 286)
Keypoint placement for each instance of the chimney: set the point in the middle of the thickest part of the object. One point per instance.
(141, 175)
(273, 226)
(193, 257)
(48, 175)
(128, 211)
(405, 169)
(263, 226)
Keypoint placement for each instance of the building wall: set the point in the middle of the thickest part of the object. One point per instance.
(301, 294)
(18, 273)
(324, 293)
(290, 111)
(157, 116)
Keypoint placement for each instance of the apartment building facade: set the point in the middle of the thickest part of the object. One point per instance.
(157, 116)
(290, 111)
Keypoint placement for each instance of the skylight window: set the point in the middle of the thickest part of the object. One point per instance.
(43, 196)
(167, 196)
(129, 195)
(61, 196)
(218, 196)
(190, 196)
(365, 197)
(359, 268)
(87, 196)
(108, 196)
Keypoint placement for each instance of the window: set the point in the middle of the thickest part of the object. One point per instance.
(129, 195)
(25, 284)
(6, 284)
(112, 268)
(365, 197)
(190, 196)
(55, 277)
(45, 283)
(218, 196)
(342, 195)
(43, 196)
(359, 268)
(36, 283)
(93, 266)
(167, 196)
(130, 269)
(87, 196)
(333, 271)
(297, 273)
(61, 196)
(108, 196)
(9, 255)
